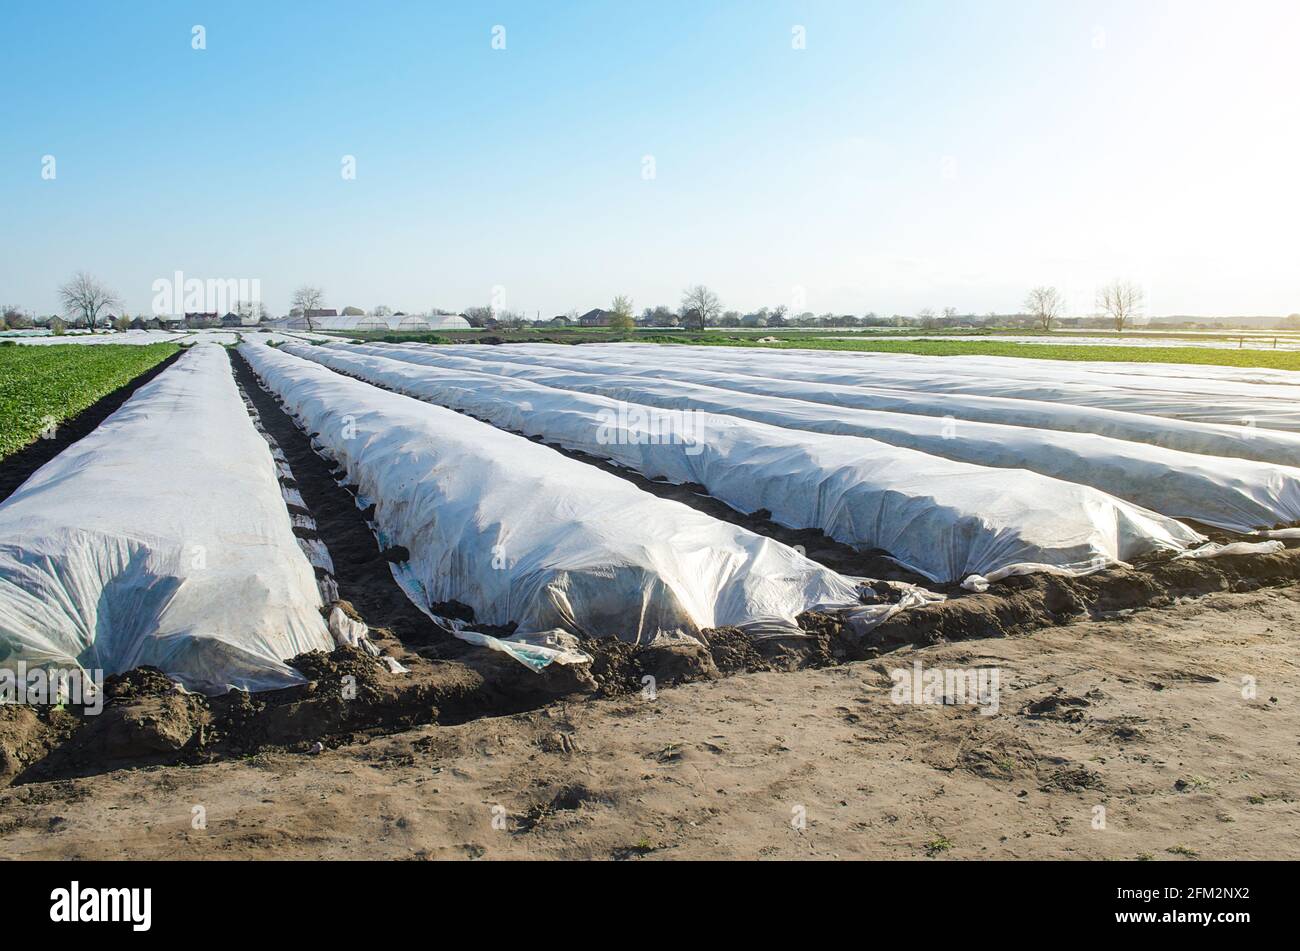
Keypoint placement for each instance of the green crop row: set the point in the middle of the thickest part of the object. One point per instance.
(40, 385)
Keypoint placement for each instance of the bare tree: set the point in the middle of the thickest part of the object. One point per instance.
(13, 318)
(1120, 300)
(479, 316)
(925, 316)
(701, 304)
(309, 299)
(1045, 305)
(84, 298)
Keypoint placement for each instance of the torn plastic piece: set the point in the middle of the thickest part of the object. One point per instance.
(1215, 550)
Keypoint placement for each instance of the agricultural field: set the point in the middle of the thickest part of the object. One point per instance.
(44, 385)
(615, 433)
(1197, 349)
(1147, 351)
(534, 532)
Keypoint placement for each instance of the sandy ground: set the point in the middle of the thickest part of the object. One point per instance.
(1143, 716)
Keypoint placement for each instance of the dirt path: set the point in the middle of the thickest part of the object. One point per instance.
(1144, 716)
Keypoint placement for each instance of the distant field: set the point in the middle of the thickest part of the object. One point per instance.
(1268, 359)
(41, 383)
(984, 344)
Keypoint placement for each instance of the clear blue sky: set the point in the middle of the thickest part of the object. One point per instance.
(918, 154)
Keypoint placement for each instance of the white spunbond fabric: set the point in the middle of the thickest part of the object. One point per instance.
(1200, 371)
(1216, 550)
(1235, 494)
(287, 336)
(524, 535)
(1071, 339)
(942, 519)
(1197, 377)
(1242, 442)
(1181, 379)
(130, 338)
(226, 338)
(1154, 397)
(161, 539)
(1153, 378)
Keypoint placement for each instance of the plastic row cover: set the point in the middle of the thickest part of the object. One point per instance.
(1235, 494)
(1195, 371)
(942, 519)
(1227, 403)
(524, 535)
(125, 337)
(161, 538)
(1181, 379)
(1263, 445)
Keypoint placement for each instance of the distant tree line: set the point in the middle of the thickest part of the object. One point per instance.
(88, 303)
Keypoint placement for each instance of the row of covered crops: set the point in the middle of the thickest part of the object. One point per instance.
(1168, 455)
(163, 537)
(409, 323)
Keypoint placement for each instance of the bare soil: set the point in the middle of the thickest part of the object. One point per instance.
(1144, 716)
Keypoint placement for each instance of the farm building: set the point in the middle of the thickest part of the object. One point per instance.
(596, 318)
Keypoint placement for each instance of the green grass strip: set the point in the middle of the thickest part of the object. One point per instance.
(40, 384)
